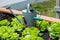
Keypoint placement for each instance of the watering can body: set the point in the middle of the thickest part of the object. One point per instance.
(29, 17)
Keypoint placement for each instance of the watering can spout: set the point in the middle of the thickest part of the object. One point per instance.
(36, 18)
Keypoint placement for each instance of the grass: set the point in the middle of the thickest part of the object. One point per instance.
(46, 8)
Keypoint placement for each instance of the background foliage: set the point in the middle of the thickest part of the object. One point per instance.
(46, 8)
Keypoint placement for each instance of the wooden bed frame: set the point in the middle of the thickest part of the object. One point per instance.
(49, 19)
(4, 10)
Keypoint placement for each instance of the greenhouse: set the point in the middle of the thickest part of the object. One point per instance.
(30, 20)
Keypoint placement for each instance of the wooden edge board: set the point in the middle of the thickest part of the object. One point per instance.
(50, 19)
(4, 10)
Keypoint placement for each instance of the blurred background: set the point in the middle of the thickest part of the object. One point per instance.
(46, 8)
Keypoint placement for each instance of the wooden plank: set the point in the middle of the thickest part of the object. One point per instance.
(4, 10)
(50, 19)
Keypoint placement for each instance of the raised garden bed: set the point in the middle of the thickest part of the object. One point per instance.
(11, 29)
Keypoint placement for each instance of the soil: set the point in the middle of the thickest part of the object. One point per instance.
(45, 35)
(6, 16)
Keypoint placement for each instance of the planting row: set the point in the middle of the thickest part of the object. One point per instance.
(16, 31)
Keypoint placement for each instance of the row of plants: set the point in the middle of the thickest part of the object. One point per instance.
(17, 31)
(8, 30)
(46, 8)
(52, 27)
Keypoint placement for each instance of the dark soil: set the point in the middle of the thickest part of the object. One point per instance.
(57, 38)
(6, 16)
(45, 35)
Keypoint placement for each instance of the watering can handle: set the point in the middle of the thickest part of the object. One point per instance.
(36, 18)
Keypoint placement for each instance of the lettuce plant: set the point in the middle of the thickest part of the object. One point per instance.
(43, 25)
(4, 22)
(31, 37)
(54, 30)
(16, 25)
(31, 31)
(14, 36)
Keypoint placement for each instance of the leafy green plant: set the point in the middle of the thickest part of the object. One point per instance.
(14, 36)
(31, 37)
(31, 31)
(54, 30)
(4, 22)
(43, 25)
(16, 25)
